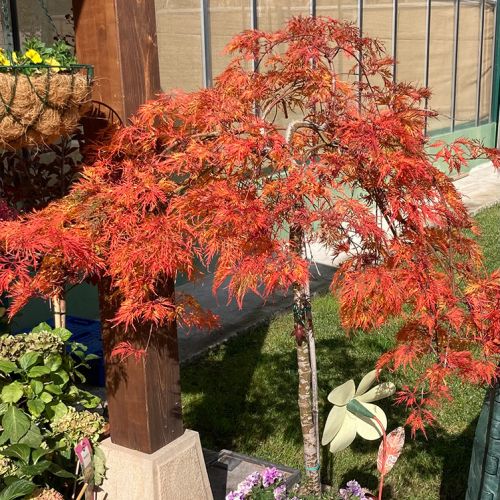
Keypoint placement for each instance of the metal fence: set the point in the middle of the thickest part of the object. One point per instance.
(445, 44)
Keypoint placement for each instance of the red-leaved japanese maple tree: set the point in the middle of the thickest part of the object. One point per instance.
(303, 134)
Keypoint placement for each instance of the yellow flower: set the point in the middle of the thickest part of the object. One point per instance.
(14, 57)
(4, 61)
(51, 61)
(33, 56)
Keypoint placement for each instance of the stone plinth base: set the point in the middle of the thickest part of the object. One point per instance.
(175, 472)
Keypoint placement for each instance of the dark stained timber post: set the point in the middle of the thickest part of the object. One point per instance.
(118, 37)
(143, 392)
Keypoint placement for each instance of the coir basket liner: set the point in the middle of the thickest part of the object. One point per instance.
(38, 104)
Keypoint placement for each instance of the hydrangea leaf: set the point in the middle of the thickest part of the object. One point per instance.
(36, 407)
(7, 366)
(28, 359)
(17, 489)
(33, 438)
(12, 393)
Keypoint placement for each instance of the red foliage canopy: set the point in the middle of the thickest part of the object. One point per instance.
(302, 142)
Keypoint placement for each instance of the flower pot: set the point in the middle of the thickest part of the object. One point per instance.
(484, 472)
(40, 104)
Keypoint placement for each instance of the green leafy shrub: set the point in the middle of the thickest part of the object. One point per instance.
(43, 412)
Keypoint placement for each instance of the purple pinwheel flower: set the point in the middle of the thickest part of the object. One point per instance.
(353, 490)
(235, 495)
(246, 486)
(270, 476)
(280, 492)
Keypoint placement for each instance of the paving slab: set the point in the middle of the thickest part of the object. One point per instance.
(481, 188)
(233, 320)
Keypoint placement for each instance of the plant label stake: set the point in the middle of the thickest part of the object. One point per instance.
(83, 451)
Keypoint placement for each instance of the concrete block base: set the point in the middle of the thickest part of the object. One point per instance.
(175, 472)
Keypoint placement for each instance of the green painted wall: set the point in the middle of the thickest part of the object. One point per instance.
(485, 133)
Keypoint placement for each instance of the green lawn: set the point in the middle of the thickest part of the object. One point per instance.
(242, 397)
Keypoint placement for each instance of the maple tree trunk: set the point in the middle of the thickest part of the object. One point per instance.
(307, 423)
(314, 369)
(307, 374)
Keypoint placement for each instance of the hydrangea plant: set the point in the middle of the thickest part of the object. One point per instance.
(43, 412)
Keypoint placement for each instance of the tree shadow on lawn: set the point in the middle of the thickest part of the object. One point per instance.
(219, 399)
(427, 470)
(242, 396)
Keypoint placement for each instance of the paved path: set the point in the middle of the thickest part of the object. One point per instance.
(481, 188)
(234, 320)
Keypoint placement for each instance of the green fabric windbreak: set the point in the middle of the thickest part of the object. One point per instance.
(484, 472)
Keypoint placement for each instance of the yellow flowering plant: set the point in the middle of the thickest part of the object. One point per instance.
(35, 80)
(59, 57)
(34, 56)
(4, 60)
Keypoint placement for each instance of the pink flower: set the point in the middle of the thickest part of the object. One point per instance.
(270, 476)
(235, 495)
(280, 492)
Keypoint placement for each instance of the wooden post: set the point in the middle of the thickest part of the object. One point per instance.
(144, 395)
(118, 37)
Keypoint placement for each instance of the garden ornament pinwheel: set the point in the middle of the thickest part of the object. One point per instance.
(354, 412)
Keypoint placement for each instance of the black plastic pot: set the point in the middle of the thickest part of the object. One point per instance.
(484, 472)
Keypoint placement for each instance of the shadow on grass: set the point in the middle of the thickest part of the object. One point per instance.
(239, 395)
(243, 397)
(456, 453)
(227, 404)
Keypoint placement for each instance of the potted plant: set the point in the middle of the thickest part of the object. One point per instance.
(43, 92)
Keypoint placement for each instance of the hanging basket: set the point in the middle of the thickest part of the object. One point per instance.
(40, 103)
